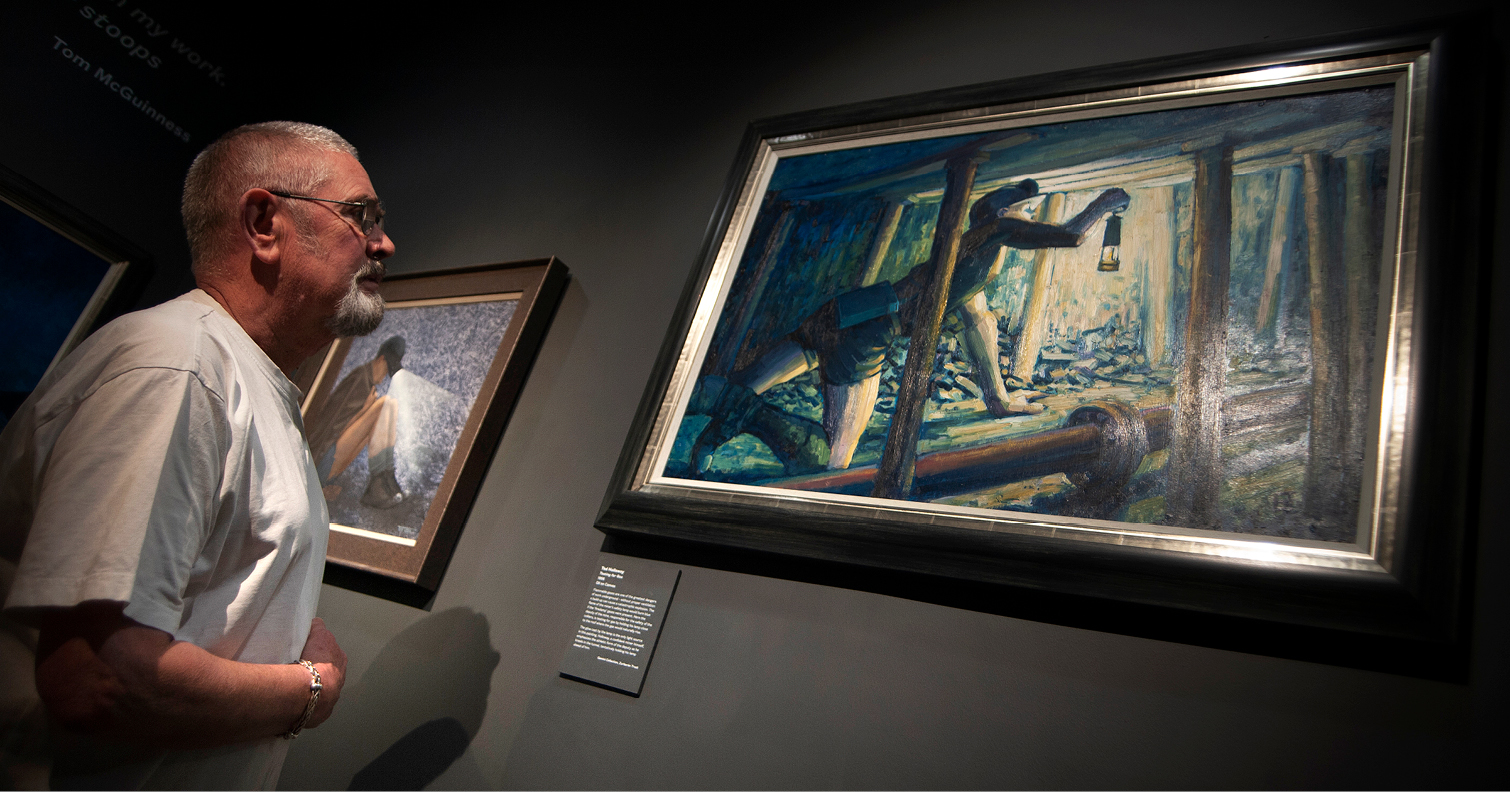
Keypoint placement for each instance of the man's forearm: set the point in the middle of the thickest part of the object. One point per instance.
(195, 698)
(1111, 200)
(135, 683)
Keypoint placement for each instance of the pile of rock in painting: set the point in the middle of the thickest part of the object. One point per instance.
(891, 372)
(798, 396)
(1099, 357)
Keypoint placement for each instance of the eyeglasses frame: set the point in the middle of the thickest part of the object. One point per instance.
(372, 209)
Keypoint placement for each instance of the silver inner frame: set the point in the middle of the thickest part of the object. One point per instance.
(1380, 502)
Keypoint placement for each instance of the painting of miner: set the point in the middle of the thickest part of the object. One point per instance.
(383, 437)
(355, 419)
(1146, 316)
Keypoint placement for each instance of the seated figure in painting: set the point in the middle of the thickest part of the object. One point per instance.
(847, 339)
(356, 418)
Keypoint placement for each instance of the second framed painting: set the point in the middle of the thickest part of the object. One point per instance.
(1155, 332)
(402, 423)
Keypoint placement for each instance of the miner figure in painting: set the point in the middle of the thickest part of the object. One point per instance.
(356, 417)
(847, 339)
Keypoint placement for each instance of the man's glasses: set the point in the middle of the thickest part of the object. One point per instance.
(372, 209)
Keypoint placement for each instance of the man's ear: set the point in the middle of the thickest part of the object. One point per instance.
(262, 219)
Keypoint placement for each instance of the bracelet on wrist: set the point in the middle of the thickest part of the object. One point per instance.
(314, 698)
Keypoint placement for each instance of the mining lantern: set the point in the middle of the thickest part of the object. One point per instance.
(1111, 242)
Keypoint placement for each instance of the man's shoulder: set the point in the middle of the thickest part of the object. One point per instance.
(171, 335)
(162, 330)
(179, 335)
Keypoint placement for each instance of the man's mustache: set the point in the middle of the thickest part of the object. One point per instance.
(372, 269)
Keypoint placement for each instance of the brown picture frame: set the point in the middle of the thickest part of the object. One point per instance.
(535, 287)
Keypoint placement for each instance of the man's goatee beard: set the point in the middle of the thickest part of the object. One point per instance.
(359, 313)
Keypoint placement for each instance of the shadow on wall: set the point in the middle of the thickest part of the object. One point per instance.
(418, 758)
(437, 674)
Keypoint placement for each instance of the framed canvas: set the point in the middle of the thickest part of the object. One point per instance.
(1184, 325)
(65, 275)
(402, 423)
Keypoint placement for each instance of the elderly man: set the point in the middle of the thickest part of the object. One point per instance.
(159, 481)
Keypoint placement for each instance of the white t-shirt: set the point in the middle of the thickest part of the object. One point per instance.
(163, 465)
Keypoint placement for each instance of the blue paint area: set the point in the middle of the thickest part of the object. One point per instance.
(817, 170)
(48, 280)
(449, 349)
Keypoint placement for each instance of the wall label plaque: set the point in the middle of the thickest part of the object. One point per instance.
(621, 624)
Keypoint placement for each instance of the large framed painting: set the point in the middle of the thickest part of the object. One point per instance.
(64, 275)
(1174, 333)
(402, 423)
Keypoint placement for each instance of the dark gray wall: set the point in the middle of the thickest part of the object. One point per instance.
(606, 141)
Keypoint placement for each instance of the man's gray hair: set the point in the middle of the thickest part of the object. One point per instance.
(274, 155)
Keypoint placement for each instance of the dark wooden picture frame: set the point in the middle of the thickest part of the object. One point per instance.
(1399, 578)
(450, 311)
(46, 291)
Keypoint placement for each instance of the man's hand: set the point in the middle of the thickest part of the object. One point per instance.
(321, 649)
(1113, 200)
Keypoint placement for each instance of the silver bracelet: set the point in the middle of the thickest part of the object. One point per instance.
(314, 698)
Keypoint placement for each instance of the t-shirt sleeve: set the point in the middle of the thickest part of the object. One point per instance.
(127, 498)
